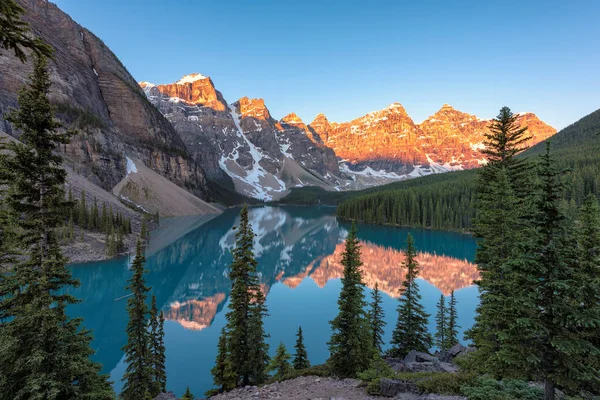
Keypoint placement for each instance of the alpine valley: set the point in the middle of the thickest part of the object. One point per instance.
(187, 134)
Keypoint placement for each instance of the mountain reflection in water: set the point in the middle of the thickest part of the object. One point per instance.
(298, 250)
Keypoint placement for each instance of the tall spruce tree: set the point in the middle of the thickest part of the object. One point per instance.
(452, 324)
(246, 344)
(157, 350)
(138, 375)
(300, 356)
(503, 202)
(550, 318)
(589, 262)
(376, 319)
(441, 324)
(502, 228)
(350, 345)
(280, 364)
(410, 332)
(44, 354)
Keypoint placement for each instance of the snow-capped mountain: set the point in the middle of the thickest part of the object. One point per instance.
(389, 143)
(241, 141)
(264, 157)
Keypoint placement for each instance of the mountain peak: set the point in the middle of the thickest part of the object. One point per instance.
(191, 78)
(320, 119)
(254, 108)
(447, 107)
(292, 119)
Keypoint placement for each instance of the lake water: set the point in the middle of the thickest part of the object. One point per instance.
(298, 251)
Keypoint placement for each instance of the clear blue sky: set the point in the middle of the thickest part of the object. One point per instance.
(345, 58)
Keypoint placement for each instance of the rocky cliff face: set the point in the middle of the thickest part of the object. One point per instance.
(388, 143)
(241, 141)
(94, 93)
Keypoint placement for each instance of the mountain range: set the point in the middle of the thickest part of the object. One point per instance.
(265, 157)
(188, 134)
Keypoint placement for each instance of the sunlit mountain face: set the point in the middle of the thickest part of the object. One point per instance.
(298, 250)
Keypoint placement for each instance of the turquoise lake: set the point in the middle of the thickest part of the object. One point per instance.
(298, 251)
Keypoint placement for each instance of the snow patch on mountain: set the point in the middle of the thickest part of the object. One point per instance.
(190, 79)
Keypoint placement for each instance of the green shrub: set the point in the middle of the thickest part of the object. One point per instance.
(511, 389)
(321, 370)
(445, 383)
(373, 387)
(377, 369)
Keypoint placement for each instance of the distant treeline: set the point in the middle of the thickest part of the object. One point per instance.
(446, 201)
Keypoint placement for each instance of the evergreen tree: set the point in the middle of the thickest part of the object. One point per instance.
(376, 319)
(138, 375)
(157, 350)
(15, 34)
(280, 363)
(301, 356)
(95, 218)
(502, 226)
(505, 139)
(452, 331)
(82, 220)
(44, 354)
(223, 372)
(411, 328)
(551, 317)
(589, 261)
(248, 350)
(441, 324)
(104, 219)
(188, 394)
(350, 345)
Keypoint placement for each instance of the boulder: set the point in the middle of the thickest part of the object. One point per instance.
(417, 356)
(456, 349)
(444, 356)
(392, 387)
(166, 396)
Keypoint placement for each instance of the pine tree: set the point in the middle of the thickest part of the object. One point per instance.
(452, 331)
(280, 363)
(589, 261)
(95, 218)
(82, 220)
(350, 345)
(157, 350)
(503, 204)
(45, 354)
(188, 394)
(223, 373)
(441, 324)
(138, 375)
(301, 356)
(15, 34)
(377, 319)
(248, 350)
(551, 316)
(502, 227)
(104, 219)
(411, 328)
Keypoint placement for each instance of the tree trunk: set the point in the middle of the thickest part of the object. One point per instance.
(548, 389)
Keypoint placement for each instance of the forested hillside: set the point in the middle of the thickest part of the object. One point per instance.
(446, 201)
